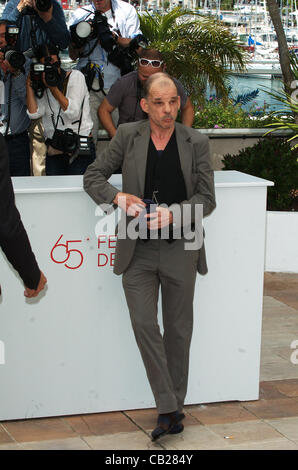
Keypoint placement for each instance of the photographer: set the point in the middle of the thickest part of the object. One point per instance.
(15, 121)
(65, 112)
(40, 22)
(127, 92)
(40, 26)
(95, 55)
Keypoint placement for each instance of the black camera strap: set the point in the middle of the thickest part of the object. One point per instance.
(100, 79)
(33, 32)
(80, 120)
(55, 124)
(65, 83)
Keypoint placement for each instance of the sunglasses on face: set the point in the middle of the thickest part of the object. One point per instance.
(155, 63)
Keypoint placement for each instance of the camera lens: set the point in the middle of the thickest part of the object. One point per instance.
(51, 76)
(83, 29)
(15, 59)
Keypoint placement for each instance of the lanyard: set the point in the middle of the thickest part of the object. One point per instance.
(59, 116)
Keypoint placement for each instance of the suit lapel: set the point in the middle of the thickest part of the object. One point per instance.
(185, 154)
(141, 143)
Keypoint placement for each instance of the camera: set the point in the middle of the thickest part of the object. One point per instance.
(41, 5)
(85, 144)
(67, 141)
(51, 73)
(103, 32)
(84, 31)
(11, 35)
(15, 58)
(124, 57)
(36, 71)
(52, 76)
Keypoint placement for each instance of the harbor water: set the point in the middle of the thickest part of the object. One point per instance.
(242, 84)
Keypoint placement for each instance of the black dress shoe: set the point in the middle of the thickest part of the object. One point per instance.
(176, 429)
(168, 423)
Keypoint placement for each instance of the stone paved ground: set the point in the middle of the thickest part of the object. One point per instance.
(269, 423)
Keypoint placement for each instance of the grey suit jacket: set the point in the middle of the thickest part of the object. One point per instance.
(129, 149)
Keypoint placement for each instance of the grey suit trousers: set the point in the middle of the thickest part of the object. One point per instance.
(159, 264)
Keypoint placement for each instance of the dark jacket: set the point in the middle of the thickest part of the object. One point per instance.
(13, 237)
(54, 31)
(129, 149)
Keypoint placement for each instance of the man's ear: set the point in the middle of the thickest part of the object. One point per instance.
(144, 105)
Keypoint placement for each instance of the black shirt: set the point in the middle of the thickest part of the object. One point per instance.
(164, 174)
(164, 177)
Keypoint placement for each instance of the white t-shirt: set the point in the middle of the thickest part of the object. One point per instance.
(76, 92)
(125, 20)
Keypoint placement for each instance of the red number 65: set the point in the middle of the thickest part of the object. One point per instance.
(68, 253)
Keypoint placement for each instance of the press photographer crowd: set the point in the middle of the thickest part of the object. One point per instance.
(50, 117)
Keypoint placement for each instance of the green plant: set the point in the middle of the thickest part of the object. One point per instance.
(274, 160)
(287, 116)
(218, 114)
(196, 49)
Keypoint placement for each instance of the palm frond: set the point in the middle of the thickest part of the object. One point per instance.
(196, 49)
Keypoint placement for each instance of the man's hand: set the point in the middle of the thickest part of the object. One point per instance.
(24, 3)
(44, 15)
(6, 67)
(3, 63)
(29, 293)
(131, 204)
(123, 42)
(159, 219)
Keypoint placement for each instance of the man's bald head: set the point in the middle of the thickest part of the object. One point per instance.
(160, 79)
(161, 101)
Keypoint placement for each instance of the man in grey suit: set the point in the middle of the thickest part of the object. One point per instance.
(168, 161)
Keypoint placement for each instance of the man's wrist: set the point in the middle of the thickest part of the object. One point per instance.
(20, 6)
(115, 201)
